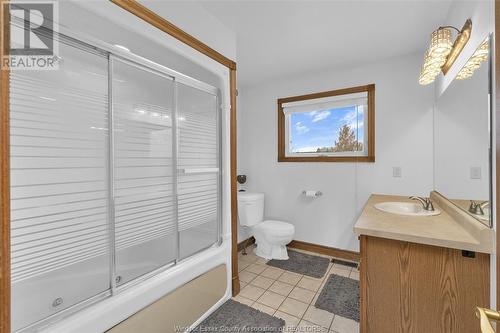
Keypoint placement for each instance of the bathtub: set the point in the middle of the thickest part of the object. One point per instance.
(107, 313)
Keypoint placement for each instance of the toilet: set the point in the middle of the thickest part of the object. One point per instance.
(271, 236)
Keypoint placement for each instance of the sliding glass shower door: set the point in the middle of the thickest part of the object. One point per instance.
(59, 186)
(115, 175)
(143, 190)
(198, 164)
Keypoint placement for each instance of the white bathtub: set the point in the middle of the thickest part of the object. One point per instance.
(107, 313)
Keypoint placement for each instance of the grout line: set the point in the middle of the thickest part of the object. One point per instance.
(316, 293)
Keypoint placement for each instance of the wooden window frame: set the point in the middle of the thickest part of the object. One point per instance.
(370, 157)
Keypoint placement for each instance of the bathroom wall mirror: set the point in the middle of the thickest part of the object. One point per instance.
(463, 137)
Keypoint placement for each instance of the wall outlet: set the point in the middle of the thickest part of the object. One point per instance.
(397, 172)
(475, 172)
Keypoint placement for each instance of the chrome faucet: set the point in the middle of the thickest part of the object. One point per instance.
(426, 203)
(478, 208)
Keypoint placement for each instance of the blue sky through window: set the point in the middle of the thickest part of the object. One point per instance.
(318, 129)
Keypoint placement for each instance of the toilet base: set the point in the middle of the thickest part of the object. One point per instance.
(271, 238)
(269, 252)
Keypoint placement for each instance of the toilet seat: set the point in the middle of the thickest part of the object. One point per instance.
(276, 228)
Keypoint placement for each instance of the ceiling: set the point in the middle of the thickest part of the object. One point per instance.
(290, 38)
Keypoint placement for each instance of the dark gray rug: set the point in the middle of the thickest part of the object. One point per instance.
(340, 296)
(233, 316)
(302, 263)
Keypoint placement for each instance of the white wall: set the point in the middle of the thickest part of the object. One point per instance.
(403, 138)
(191, 17)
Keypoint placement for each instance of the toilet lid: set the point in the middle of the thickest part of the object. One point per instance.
(279, 226)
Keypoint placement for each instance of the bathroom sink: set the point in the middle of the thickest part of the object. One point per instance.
(405, 208)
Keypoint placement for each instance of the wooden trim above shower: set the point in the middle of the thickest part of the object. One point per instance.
(159, 22)
(5, 181)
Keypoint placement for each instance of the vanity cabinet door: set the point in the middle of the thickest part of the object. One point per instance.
(408, 287)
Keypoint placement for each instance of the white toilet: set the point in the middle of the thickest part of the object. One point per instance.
(271, 236)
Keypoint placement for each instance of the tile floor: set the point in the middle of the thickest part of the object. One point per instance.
(291, 296)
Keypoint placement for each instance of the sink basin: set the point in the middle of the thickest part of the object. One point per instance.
(405, 208)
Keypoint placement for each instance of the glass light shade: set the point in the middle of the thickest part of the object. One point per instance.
(480, 55)
(430, 69)
(441, 44)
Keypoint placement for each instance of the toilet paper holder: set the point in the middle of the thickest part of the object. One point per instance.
(311, 194)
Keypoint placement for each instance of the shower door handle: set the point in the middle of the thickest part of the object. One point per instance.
(191, 171)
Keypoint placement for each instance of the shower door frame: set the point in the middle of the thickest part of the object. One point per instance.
(5, 283)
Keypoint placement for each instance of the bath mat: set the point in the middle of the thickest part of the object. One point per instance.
(345, 263)
(340, 296)
(233, 316)
(302, 263)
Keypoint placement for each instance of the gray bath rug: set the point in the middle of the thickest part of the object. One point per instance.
(302, 263)
(233, 316)
(340, 296)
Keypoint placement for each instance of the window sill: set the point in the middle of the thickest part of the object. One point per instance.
(360, 159)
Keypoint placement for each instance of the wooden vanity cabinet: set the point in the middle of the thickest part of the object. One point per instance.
(409, 287)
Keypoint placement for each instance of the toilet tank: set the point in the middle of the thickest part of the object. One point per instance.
(250, 208)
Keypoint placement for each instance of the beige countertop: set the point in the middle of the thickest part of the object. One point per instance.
(452, 229)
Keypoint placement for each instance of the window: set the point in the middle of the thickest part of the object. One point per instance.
(332, 126)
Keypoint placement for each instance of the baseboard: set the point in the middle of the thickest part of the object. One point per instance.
(247, 242)
(321, 249)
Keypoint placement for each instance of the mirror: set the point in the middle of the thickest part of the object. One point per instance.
(463, 137)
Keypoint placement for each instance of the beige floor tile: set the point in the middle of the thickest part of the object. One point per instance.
(318, 317)
(291, 322)
(301, 294)
(290, 278)
(315, 298)
(272, 272)
(252, 292)
(354, 275)
(261, 261)
(281, 288)
(242, 284)
(308, 283)
(255, 268)
(242, 265)
(271, 299)
(306, 326)
(250, 257)
(344, 325)
(293, 307)
(263, 282)
(247, 276)
(263, 308)
(243, 300)
(341, 272)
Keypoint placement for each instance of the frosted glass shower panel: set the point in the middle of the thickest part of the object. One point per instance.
(145, 227)
(59, 196)
(198, 164)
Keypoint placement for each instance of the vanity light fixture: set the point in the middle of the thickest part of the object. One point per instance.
(442, 53)
(480, 55)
